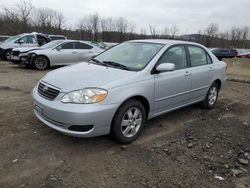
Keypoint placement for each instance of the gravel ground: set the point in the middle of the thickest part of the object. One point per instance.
(191, 147)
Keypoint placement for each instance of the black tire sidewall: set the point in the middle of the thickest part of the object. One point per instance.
(116, 123)
(5, 55)
(207, 105)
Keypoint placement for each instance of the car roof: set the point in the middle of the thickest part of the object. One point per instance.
(164, 41)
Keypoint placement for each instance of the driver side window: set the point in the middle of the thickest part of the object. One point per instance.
(30, 39)
(175, 55)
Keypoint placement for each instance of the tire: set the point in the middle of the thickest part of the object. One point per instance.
(40, 63)
(7, 55)
(126, 125)
(211, 97)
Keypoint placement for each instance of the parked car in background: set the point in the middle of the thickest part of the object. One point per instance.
(56, 37)
(59, 52)
(244, 55)
(23, 40)
(104, 45)
(221, 53)
(118, 90)
(3, 38)
(15, 58)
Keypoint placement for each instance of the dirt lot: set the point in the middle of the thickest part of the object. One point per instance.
(186, 148)
(239, 69)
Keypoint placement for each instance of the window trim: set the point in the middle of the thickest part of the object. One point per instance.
(78, 42)
(189, 57)
(154, 71)
(67, 43)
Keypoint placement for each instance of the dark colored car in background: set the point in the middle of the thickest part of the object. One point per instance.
(224, 53)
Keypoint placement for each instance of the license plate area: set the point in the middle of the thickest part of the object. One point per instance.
(38, 108)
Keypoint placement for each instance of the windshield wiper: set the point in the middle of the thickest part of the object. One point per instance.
(114, 64)
(99, 62)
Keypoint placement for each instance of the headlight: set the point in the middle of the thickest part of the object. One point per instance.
(85, 96)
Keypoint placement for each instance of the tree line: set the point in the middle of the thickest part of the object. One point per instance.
(24, 17)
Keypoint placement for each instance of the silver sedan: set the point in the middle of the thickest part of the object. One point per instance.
(117, 91)
(59, 52)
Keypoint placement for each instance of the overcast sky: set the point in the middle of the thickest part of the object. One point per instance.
(188, 15)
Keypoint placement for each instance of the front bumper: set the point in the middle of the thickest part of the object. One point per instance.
(61, 117)
(21, 60)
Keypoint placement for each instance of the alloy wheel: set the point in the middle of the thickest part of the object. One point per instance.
(131, 122)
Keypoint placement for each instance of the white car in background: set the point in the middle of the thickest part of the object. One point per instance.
(58, 53)
(30, 40)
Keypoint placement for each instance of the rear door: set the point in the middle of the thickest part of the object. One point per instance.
(172, 87)
(85, 51)
(201, 68)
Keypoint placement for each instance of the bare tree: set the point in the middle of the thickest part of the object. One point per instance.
(153, 31)
(170, 32)
(20, 13)
(122, 27)
(211, 32)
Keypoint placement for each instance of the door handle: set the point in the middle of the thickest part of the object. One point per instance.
(187, 73)
(211, 69)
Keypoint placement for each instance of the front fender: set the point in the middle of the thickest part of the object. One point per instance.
(119, 95)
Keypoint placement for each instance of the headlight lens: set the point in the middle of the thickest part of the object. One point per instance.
(85, 96)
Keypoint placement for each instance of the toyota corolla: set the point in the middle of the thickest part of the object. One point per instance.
(118, 90)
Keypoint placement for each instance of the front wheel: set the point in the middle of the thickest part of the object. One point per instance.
(40, 63)
(128, 121)
(7, 55)
(211, 97)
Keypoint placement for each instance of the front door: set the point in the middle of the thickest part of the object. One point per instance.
(172, 88)
(64, 54)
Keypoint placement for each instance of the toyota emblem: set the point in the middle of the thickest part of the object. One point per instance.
(45, 88)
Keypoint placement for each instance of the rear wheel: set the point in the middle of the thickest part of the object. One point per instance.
(128, 121)
(40, 62)
(211, 97)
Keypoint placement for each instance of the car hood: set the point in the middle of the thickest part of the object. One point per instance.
(83, 75)
(5, 45)
(27, 49)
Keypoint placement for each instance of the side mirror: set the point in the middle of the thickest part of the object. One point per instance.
(21, 41)
(163, 67)
(58, 48)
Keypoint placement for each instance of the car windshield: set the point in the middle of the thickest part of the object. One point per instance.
(52, 44)
(130, 55)
(12, 38)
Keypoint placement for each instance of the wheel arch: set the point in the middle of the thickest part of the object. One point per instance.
(144, 101)
(218, 82)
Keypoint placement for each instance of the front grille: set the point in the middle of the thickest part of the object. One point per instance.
(15, 53)
(47, 92)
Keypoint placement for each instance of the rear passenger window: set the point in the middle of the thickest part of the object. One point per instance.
(175, 55)
(69, 45)
(198, 56)
(80, 45)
